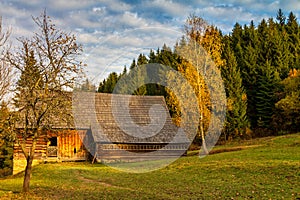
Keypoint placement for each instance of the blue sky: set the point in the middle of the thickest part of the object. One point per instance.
(113, 32)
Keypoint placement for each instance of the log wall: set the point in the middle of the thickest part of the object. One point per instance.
(70, 145)
(69, 148)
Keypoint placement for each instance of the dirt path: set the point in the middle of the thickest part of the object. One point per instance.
(88, 180)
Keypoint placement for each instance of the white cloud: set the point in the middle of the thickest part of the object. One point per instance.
(85, 38)
(290, 5)
(115, 5)
(119, 49)
(226, 14)
(132, 19)
(114, 32)
(66, 5)
(101, 10)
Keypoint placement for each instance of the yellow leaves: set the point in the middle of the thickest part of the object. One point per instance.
(212, 43)
(230, 104)
(207, 36)
(294, 73)
(173, 104)
(197, 82)
(244, 97)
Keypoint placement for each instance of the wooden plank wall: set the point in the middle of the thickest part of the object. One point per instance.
(67, 142)
(70, 145)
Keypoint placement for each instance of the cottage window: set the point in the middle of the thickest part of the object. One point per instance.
(53, 141)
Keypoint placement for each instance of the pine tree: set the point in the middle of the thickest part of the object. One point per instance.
(133, 64)
(293, 30)
(110, 82)
(152, 57)
(29, 89)
(142, 60)
(236, 116)
(237, 44)
(265, 97)
(124, 71)
(153, 88)
(136, 78)
(102, 86)
(281, 19)
(141, 75)
(30, 69)
(279, 49)
(166, 57)
(6, 140)
(247, 57)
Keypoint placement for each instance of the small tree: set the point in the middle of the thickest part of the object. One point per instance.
(287, 112)
(204, 51)
(48, 66)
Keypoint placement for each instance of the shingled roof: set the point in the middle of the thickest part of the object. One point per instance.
(115, 118)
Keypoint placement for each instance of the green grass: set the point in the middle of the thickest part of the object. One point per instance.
(265, 168)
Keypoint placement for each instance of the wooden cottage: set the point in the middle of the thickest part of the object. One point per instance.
(116, 122)
(111, 127)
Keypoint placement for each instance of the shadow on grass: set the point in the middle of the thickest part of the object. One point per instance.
(223, 150)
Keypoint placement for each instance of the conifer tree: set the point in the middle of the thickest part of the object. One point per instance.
(236, 116)
(141, 76)
(136, 78)
(267, 86)
(247, 56)
(110, 82)
(279, 50)
(152, 57)
(281, 19)
(155, 89)
(124, 72)
(101, 86)
(133, 64)
(293, 30)
(6, 140)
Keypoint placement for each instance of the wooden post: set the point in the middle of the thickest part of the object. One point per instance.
(94, 158)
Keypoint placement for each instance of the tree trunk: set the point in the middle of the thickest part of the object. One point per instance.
(27, 175)
(204, 148)
(205, 151)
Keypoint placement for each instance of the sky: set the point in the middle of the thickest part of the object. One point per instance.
(114, 32)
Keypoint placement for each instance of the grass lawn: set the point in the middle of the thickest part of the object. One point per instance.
(265, 168)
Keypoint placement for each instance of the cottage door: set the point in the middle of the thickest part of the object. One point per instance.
(52, 148)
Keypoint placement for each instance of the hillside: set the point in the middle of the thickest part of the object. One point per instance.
(265, 168)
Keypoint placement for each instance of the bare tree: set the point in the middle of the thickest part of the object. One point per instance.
(48, 66)
(5, 69)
